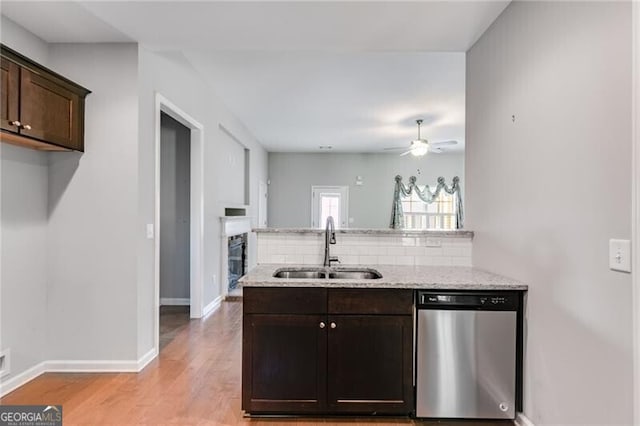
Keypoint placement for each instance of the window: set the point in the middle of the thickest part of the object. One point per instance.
(441, 214)
(329, 201)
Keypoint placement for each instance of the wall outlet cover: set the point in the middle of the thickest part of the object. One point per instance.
(5, 363)
(434, 242)
(620, 255)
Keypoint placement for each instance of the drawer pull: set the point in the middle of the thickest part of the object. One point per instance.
(333, 325)
(322, 324)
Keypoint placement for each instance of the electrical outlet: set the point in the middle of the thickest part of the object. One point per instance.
(434, 242)
(620, 255)
(5, 365)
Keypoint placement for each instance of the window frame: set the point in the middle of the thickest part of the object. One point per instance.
(439, 214)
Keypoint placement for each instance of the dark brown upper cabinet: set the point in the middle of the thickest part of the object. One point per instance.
(40, 108)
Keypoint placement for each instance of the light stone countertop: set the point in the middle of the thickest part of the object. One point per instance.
(458, 233)
(414, 277)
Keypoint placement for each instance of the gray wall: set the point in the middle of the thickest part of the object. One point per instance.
(292, 176)
(545, 194)
(95, 258)
(175, 161)
(23, 228)
(231, 189)
(92, 211)
(176, 80)
(23, 295)
(72, 220)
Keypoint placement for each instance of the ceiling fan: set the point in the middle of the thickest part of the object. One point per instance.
(420, 147)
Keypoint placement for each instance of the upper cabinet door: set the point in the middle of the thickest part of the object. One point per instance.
(49, 111)
(10, 95)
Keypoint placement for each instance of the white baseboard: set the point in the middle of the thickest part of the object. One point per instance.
(91, 366)
(18, 380)
(174, 301)
(211, 307)
(147, 358)
(522, 420)
(65, 366)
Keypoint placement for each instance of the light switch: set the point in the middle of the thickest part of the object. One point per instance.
(150, 231)
(620, 255)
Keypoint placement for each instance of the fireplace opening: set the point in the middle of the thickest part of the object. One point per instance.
(237, 259)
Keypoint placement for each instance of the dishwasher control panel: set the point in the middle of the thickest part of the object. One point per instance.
(502, 301)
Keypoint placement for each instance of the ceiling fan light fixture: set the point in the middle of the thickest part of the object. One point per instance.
(419, 147)
(419, 150)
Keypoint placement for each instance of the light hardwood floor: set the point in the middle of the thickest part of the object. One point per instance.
(195, 381)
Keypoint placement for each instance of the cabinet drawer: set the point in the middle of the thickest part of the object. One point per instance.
(370, 301)
(282, 300)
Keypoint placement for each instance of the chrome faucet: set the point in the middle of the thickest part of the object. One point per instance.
(329, 238)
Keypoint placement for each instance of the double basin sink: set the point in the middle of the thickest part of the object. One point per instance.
(343, 273)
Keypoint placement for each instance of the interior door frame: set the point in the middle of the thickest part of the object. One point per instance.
(635, 207)
(196, 237)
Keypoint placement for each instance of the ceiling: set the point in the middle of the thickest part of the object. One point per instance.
(299, 74)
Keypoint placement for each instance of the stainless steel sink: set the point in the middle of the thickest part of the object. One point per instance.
(330, 273)
(297, 273)
(355, 274)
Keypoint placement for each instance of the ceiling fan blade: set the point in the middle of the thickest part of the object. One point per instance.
(436, 150)
(394, 148)
(405, 153)
(444, 143)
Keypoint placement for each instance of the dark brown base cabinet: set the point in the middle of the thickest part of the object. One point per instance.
(327, 351)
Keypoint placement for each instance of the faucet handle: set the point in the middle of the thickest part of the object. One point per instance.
(334, 259)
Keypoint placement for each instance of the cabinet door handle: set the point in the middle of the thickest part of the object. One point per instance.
(333, 325)
(322, 324)
(15, 123)
(26, 127)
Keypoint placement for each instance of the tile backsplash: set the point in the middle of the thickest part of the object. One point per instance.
(363, 249)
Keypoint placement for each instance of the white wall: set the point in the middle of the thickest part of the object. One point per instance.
(93, 210)
(176, 80)
(175, 162)
(546, 192)
(292, 176)
(23, 225)
(363, 249)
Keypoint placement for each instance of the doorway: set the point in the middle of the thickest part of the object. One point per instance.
(191, 215)
(175, 239)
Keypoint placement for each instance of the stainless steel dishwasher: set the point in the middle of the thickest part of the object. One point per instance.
(466, 354)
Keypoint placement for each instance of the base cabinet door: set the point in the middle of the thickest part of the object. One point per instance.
(369, 364)
(284, 363)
